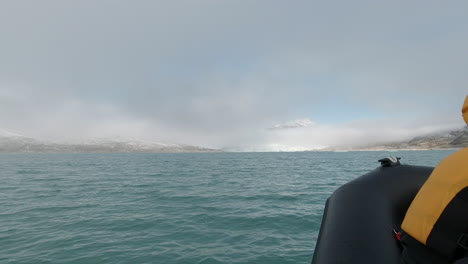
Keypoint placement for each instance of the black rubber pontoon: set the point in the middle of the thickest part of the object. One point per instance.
(359, 218)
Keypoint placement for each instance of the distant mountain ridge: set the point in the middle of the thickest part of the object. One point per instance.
(12, 142)
(454, 139)
(442, 140)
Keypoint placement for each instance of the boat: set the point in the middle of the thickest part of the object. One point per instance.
(363, 219)
(360, 217)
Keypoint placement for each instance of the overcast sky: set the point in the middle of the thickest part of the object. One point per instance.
(260, 75)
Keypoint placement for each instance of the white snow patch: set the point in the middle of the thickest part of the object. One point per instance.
(297, 123)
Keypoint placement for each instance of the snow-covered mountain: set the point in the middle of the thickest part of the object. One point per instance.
(12, 142)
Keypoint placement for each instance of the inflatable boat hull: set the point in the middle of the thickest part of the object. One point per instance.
(360, 216)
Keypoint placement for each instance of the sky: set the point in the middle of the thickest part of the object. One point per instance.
(254, 75)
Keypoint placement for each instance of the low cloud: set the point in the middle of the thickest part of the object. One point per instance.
(351, 134)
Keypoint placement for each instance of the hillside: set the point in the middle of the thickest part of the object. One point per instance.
(11, 142)
(445, 140)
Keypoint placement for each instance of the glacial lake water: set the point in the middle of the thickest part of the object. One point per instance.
(173, 208)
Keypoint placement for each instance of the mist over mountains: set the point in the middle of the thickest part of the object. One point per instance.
(13, 142)
(453, 139)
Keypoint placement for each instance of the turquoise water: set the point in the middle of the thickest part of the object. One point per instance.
(172, 208)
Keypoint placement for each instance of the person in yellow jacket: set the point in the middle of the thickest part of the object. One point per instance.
(435, 227)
